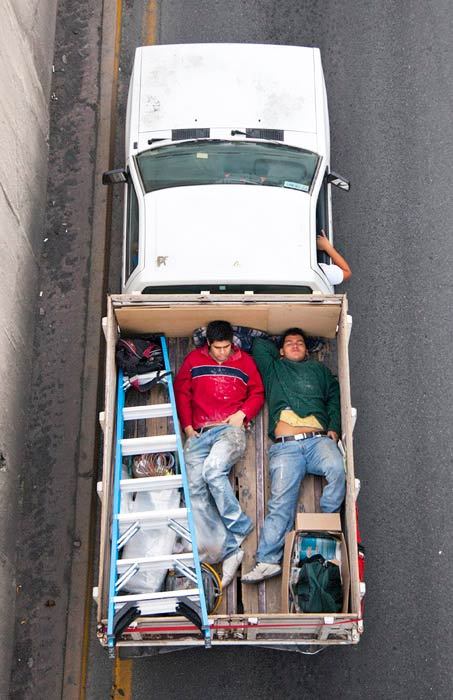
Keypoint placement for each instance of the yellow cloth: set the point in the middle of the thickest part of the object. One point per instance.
(288, 416)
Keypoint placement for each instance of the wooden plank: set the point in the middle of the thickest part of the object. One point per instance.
(307, 500)
(222, 609)
(319, 485)
(273, 594)
(231, 593)
(246, 474)
(310, 494)
(261, 442)
(177, 317)
(120, 300)
(346, 420)
(107, 470)
(272, 587)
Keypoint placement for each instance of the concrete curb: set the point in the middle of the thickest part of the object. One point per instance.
(82, 573)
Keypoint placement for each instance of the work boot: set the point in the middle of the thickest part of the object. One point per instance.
(261, 572)
(230, 565)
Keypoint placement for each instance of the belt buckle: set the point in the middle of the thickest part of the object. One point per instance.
(300, 436)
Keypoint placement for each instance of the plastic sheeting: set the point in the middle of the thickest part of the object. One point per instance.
(149, 542)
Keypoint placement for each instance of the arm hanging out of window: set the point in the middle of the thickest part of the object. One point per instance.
(323, 243)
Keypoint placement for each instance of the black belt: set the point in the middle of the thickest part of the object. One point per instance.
(300, 436)
(207, 427)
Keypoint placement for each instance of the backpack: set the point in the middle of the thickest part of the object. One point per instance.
(142, 362)
(138, 356)
(318, 587)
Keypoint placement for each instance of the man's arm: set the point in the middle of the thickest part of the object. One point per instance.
(264, 353)
(323, 243)
(183, 395)
(333, 405)
(255, 391)
(255, 396)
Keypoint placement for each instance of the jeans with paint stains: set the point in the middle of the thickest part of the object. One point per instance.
(220, 524)
(288, 464)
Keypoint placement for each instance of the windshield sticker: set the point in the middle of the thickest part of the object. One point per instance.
(296, 185)
(202, 155)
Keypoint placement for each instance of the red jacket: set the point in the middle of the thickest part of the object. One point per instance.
(208, 391)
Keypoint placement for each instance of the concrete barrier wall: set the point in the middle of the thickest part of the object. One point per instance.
(26, 54)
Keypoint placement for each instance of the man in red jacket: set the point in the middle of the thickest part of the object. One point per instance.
(218, 392)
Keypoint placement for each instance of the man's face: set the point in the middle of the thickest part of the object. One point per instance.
(220, 350)
(294, 348)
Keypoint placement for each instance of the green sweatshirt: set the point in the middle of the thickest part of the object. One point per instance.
(308, 388)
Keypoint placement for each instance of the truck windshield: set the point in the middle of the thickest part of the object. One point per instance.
(227, 162)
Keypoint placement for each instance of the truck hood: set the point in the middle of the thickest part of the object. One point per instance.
(227, 86)
(227, 234)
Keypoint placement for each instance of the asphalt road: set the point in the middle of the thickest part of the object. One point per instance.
(389, 75)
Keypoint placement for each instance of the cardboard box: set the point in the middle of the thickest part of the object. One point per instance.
(329, 523)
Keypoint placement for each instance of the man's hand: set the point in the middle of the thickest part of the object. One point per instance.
(190, 432)
(236, 420)
(332, 435)
(323, 243)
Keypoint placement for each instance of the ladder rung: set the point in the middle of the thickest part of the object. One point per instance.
(153, 518)
(160, 595)
(152, 603)
(146, 483)
(146, 445)
(163, 607)
(151, 483)
(164, 560)
(157, 410)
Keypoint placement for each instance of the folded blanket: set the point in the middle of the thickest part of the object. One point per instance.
(243, 337)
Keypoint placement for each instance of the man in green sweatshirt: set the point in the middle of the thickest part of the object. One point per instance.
(303, 397)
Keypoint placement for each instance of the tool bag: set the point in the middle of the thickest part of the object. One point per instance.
(318, 587)
(139, 355)
(142, 362)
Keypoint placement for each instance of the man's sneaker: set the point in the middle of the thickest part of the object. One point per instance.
(261, 572)
(230, 565)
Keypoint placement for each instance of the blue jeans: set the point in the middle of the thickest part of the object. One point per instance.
(220, 523)
(288, 464)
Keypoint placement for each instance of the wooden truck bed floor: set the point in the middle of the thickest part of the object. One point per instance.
(250, 478)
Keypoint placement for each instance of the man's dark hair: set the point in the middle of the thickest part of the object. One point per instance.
(219, 330)
(293, 331)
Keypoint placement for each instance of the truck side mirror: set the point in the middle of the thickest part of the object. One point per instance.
(339, 181)
(113, 177)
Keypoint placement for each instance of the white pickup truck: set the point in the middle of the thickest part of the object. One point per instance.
(227, 170)
(227, 184)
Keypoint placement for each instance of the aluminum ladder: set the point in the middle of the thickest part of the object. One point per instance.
(123, 609)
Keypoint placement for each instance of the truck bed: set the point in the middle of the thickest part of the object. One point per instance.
(251, 614)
